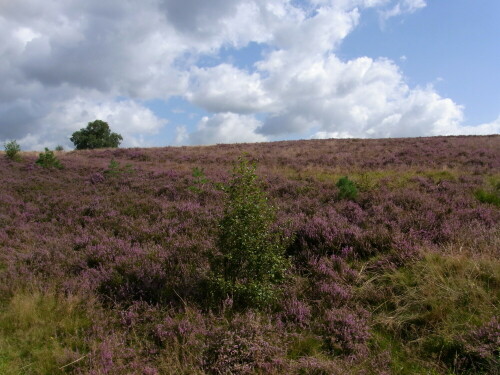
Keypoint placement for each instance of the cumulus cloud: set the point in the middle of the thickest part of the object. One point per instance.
(131, 119)
(224, 128)
(65, 63)
(225, 88)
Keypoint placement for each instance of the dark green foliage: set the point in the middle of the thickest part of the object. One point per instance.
(59, 148)
(47, 159)
(347, 188)
(251, 261)
(12, 150)
(97, 134)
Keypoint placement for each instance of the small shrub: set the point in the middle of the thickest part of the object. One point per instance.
(199, 180)
(251, 261)
(47, 159)
(244, 346)
(482, 347)
(59, 148)
(115, 169)
(12, 150)
(347, 188)
(96, 178)
(345, 331)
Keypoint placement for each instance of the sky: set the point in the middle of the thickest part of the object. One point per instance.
(191, 72)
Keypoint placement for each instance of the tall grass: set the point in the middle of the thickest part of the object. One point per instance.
(42, 333)
(425, 311)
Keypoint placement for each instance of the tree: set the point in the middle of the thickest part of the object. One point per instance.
(251, 262)
(12, 150)
(97, 134)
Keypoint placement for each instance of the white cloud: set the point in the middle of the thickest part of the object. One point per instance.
(225, 88)
(64, 63)
(402, 7)
(482, 129)
(225, 128)
(128, 118)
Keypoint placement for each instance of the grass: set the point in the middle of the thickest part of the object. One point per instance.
(426, 307)
(491, 192)
(42, 333)
(367, 180)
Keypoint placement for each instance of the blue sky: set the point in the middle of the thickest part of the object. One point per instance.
(169, 72)
(453, 45)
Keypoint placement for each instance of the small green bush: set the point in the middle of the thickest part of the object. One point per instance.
(47, 159)
(115, 169)
(347, 188)
(251, 262)
(59, 148)
(199, 180)
(12, 150)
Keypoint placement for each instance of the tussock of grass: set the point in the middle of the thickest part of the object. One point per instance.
(426, 308)
(41, 333)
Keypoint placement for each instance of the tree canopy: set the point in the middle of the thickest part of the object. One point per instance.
(97, 134)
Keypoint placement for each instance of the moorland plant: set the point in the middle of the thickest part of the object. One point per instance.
(12, 151)
(103, 271)
(47, 159)
(250, 260)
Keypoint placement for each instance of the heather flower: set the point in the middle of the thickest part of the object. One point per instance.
(346, 331)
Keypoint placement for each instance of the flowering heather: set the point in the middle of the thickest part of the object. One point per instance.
(106, 263)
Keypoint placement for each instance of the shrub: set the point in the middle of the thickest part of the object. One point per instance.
(199, 180)
(97, 134)
(59, 148)
(251, 258)
(345, 331)
(347, 188)
(115, 169)
(47, 159)
(12, 150)
(244, 346)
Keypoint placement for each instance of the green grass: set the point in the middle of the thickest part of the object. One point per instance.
(42, 333)
(306, 345)
(491, 197)
(423, 309)
(491, 192)
(367, 180)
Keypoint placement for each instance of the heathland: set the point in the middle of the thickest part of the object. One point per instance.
(297, 257)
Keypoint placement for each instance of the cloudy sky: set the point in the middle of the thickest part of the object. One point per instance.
(180, 72)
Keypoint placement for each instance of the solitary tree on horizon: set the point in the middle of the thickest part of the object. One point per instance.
(97, 134)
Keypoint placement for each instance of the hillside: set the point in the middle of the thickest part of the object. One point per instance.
(104, 263)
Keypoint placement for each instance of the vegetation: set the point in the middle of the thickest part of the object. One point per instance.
(97, 134)
(47, 159)
(103, 271)
(251, 261)
(115, 169)
(42, 333)
(347, 188)
(12, 151)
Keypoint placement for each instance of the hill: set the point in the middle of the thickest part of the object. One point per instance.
(396, 270)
